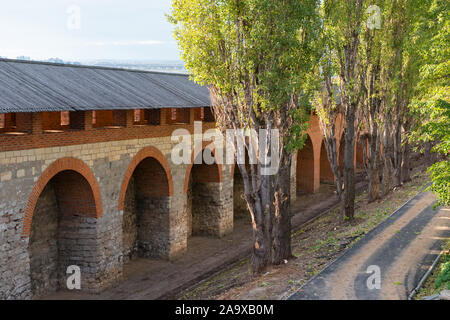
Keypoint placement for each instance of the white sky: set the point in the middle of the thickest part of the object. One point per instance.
(107, 29)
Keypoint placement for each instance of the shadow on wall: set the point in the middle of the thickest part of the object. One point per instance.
(63, 233)
(146, 212)
(305, 168)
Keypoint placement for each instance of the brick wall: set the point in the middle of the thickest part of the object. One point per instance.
(108, 241)
(84, 132)
(306, 168)
(100, 231)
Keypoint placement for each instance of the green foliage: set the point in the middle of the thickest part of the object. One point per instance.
(435, 125)
(431, 106)
(440, 177)
(255, 54)
(298, 129)
(443, 279)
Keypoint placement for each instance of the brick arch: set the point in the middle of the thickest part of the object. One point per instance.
(193, 156)
(147, 152)
(63, 164)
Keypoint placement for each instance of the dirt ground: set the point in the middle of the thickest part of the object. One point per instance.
(314, 246)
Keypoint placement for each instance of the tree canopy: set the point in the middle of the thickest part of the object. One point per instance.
(257, 58)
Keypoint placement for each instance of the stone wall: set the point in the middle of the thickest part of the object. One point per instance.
(129, 227)
(153, 226)
(212, 209)
(43, 248)
(104, 242)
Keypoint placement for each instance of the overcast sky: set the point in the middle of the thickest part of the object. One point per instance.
(87, 29)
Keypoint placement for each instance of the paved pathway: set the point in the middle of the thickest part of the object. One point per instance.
(401, 248)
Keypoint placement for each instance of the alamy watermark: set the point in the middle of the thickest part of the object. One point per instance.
(74, 280)
(374, 21)
(374, 280)
(74, 17)
(262, 147)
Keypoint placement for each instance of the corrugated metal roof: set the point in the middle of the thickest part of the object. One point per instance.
(28, 86)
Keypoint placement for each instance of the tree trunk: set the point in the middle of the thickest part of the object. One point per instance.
(406, 170)
(350, 94)
(374, 184)
(349, 165)
(268, 199)
(397, 158)
(387, 175)
(328, 120)
(372, 160)
(282, 218)
(261, 256)
(262, 240)
(428, 155)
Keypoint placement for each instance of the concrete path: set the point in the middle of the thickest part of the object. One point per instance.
(399, 250)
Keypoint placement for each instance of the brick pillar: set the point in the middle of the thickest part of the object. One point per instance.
(163, 114)
(178, 233)
(192, 113)
(36, 123)
(24, 121)
(88, 120)
(129, 118)
(212, 210)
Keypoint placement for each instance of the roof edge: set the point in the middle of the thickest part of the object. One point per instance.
(90, 67)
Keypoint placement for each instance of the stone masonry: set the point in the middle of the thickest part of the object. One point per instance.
(100, 202)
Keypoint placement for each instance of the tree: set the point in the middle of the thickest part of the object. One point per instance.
(340, 47)
(399, 78)
(374, 42)
(256, 56)
(370, 127)
(432, 100)
(329, 108)
(328, 111)
(388, 76)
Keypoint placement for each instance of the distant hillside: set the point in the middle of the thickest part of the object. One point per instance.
(164, 66)
(148, 65)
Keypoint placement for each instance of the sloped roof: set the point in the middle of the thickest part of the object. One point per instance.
(28, 86)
